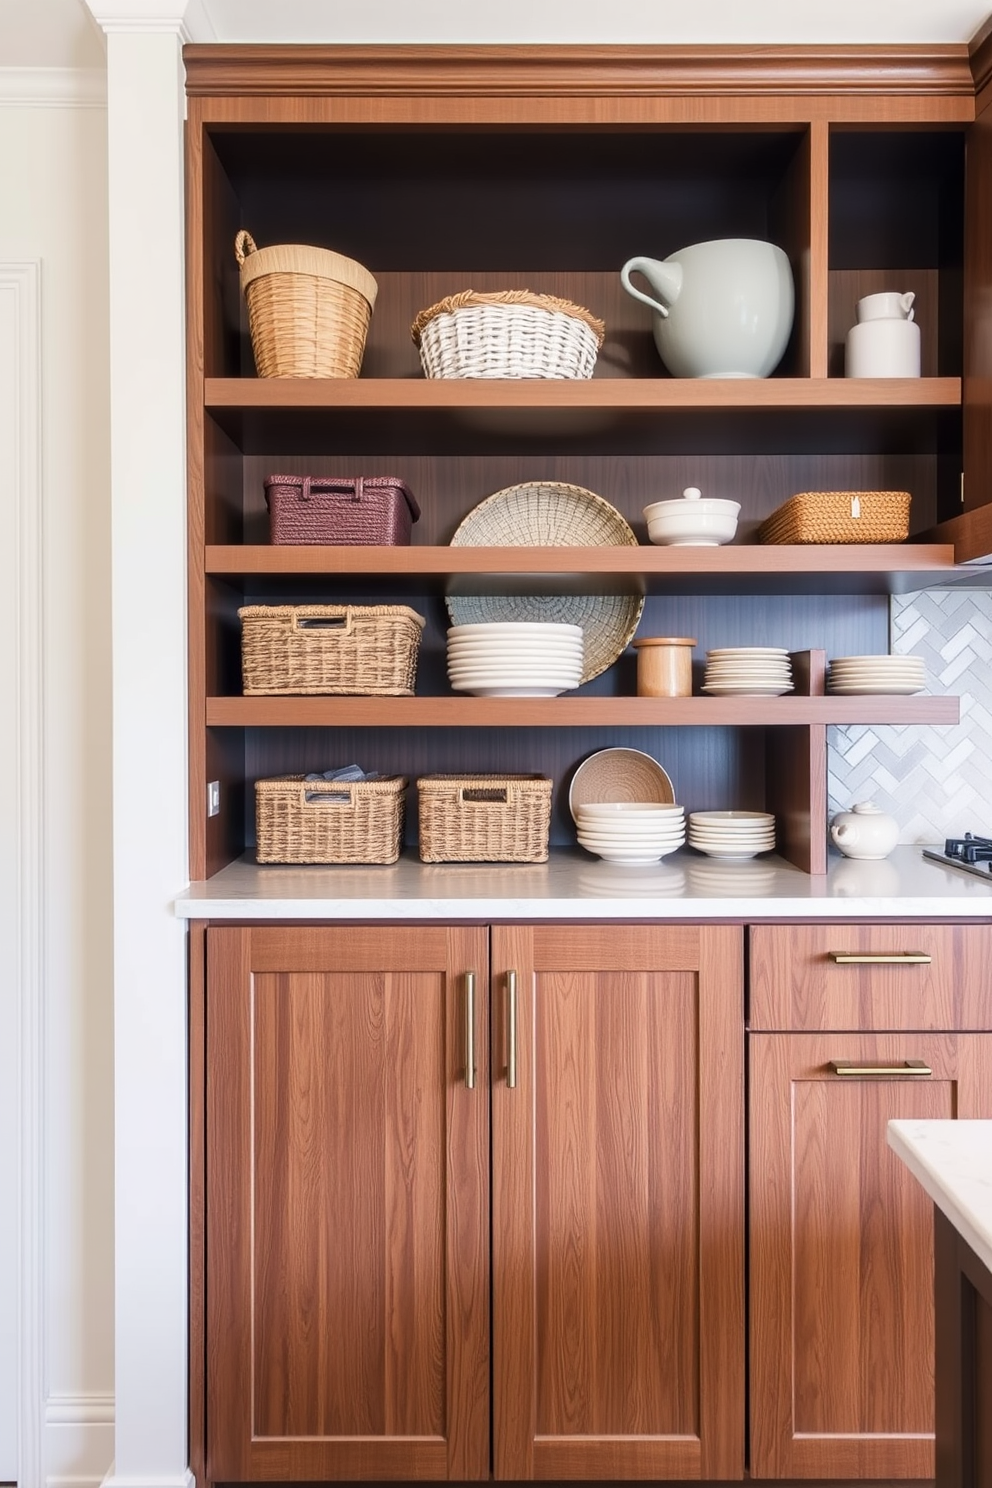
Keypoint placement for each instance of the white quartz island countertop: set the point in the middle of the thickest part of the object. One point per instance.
(574, 885)
(953, 1161)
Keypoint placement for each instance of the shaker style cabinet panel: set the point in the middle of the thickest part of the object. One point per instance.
(618, 1268)
(841, 1248)
(347, 1192)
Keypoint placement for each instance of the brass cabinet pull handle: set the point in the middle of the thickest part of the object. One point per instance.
(885, 958)
(511, 1030)
(470, 1030)
(914, 1067)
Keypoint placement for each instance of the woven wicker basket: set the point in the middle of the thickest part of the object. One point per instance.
(353, 650)
(484, 818)
(327, 821)
(366, 510)
(512, 333)
(839, 517)
(308, 309)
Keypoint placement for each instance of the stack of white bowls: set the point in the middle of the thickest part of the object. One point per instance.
(630, 832)
(756, 671)
(732, 834)
(526, 658)
(893, 675)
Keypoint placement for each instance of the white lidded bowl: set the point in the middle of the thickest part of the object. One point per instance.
(694, 520)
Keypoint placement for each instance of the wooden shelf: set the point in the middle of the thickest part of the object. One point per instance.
(664, 414)
(743, 569)
(571, 712)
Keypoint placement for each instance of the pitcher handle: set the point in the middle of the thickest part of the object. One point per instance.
(636, 266)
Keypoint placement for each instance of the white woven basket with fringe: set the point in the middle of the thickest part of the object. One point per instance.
(512, 333)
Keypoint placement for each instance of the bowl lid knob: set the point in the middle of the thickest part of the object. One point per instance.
(692, 493)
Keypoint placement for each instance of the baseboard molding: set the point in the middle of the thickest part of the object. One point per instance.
(181, 1480)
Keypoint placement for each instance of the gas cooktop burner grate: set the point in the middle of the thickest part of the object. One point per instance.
(970, 853)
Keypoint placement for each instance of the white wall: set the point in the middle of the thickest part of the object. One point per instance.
(53, 190)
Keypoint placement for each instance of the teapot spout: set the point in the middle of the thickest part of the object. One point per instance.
(664, 277)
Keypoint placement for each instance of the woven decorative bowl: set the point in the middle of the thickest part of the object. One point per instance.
(308, 309)
(510, 333)
(620, 775)
(551, 514)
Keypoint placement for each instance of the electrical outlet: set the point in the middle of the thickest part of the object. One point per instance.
(213, 798)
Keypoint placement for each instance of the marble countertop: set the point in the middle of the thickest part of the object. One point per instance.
(574, 885)
(953, 1161)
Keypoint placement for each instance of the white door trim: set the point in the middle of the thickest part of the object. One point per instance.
(22, 1024)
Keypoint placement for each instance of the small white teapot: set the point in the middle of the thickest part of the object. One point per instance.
(864, 831)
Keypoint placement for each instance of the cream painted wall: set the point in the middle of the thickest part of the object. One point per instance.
(53, 187)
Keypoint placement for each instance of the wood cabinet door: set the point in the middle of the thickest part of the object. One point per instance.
(347, 1185)
(618, 1273)
(841, 1250)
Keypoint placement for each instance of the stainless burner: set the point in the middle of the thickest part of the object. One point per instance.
(969, 853)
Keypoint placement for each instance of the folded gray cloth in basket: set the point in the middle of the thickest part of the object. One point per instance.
(344, 774)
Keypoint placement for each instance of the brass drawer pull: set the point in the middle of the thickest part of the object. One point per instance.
(470, 1030)
(914, 1067)
(511, 1030)
(882, 958)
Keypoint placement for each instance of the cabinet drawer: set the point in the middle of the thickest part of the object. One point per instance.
(871, 977)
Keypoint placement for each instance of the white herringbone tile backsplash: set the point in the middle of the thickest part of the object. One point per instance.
(936, 780)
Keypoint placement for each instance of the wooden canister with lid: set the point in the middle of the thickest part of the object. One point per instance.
(664, 666)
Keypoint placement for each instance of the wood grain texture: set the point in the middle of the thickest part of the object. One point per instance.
(520, 72)
(977, 394)
(817, 271)
(796, 792)
(352, 1309)
(796, 985)
(197, 1076)
(841, 1310)
(573, 712)
(613, 1214)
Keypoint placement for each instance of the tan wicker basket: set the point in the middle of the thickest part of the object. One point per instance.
(308, 309)
(839, 517)
(484, 818)
(329, 821)
(353, 650)
(510, 333)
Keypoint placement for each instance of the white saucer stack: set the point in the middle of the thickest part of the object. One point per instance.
(515, 658)
(756, 671)
(630, 832)
(732, 834)
(893, 675)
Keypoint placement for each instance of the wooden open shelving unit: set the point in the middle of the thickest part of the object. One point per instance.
(443, 168)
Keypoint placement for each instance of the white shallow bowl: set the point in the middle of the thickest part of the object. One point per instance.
(635, 859)
(747, 651)
(510, 628)
(606, 839)
(731, 854)
(731, 818)
(697, 522)
(571, 675)
(630, 830)
(749, 689)
(628, 811)
(522, 689)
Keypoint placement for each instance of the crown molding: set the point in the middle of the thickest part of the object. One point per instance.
(53, 87)
(183, 18)
(938, 71)
(980, 53)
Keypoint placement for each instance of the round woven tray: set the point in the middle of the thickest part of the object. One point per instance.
(551, 514)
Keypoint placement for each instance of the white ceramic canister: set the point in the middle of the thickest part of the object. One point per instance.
(886, 340)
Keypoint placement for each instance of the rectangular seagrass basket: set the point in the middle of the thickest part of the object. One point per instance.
(839, 517)
(351, 650)
(484, 818)
(376, 510)
(329, 821)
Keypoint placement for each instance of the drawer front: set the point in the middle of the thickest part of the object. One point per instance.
(870, 977)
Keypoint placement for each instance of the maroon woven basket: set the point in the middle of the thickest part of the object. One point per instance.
(349, 510)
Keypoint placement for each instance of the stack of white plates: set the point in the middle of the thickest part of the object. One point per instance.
(631, 832)
(758, 671)
(894, 675)
(732, 834)
(515, 658)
